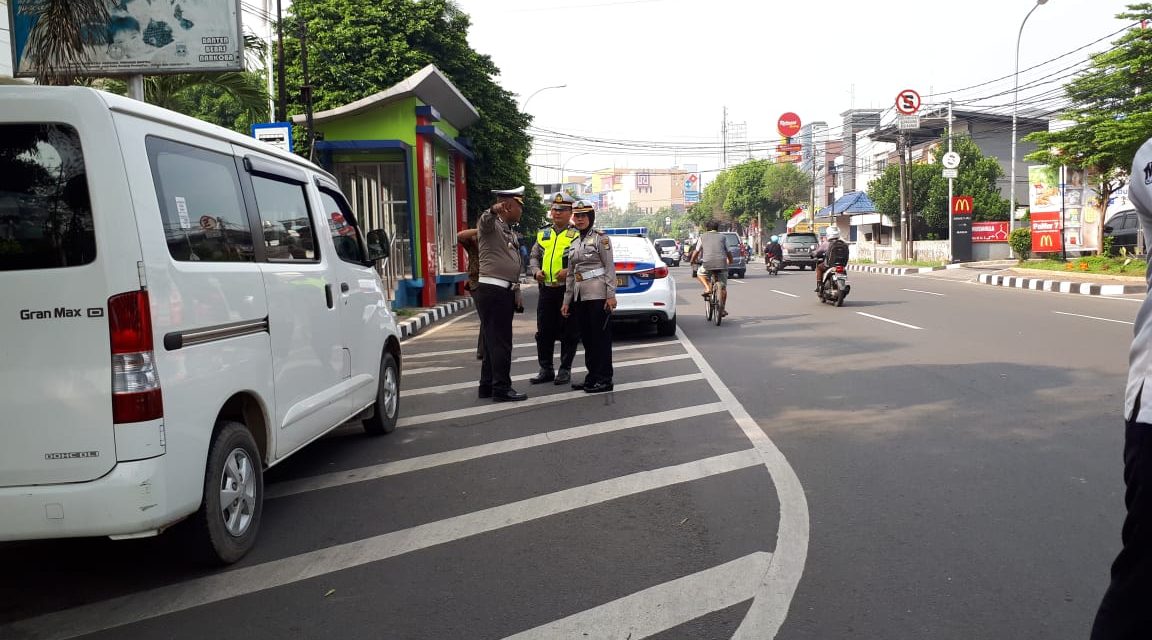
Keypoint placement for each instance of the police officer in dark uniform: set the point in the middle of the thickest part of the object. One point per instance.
(497, 291)
(590, 297)
(548, 265)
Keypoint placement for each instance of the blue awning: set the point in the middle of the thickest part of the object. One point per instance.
(851, 203)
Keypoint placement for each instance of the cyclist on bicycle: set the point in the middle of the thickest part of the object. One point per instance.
(713, 255)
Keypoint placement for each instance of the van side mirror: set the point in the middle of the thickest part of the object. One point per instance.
(378, 245)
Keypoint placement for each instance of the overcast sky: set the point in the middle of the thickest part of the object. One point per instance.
(663, 70)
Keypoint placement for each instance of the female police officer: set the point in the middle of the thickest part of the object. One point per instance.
(590, 296)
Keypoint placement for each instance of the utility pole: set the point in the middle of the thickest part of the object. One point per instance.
(724, 138)
(904, 226)
(282, 102)
(951, 226)
(306, 88)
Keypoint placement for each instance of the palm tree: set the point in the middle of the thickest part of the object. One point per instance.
(58, 40)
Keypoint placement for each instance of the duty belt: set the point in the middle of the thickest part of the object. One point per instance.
(581, 276)
(499, 282)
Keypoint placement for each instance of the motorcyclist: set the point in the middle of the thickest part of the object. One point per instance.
(831, 253)
(773, 250)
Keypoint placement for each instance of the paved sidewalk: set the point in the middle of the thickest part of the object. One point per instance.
(1061, 286)
(1006, 276)
(425, 318)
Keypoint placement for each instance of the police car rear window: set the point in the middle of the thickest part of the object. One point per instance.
(45, 211)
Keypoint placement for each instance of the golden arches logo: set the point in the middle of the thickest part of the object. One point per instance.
(1047, 241)
(961, 204)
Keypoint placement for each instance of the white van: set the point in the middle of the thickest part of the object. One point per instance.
(181, 307)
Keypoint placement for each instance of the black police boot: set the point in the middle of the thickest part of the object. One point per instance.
(545, 375)
(599, 387)
(563, 376)
(484, 392)
(510, 395)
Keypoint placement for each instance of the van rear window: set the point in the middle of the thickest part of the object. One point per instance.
(45, 211)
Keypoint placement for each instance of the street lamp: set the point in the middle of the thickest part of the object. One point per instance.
(565, 166)
(1015, 99)
(524, 105)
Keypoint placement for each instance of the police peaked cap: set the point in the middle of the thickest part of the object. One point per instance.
(583, 206)
(562, 199)
(518, 192)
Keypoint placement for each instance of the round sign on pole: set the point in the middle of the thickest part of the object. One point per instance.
(950, 160)
(908, 102)
(788, 125)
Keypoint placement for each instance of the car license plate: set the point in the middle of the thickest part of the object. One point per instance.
(621, 281)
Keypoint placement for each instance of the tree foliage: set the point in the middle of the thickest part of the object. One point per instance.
(359, 47)
(927, 195)
(756, 187)
(1111, 112)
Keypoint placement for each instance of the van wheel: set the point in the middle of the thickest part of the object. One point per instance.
(386, 409)
(225, 527)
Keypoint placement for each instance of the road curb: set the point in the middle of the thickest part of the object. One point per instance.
(892, 271)
(428, 317)
(1060, 286)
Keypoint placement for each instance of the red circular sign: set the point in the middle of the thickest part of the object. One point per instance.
(908, 102)
(788, 125)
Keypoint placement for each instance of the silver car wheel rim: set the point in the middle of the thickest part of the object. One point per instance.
(237, 492)
(391, 392)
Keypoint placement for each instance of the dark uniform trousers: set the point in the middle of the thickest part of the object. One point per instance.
(1126, 611)
(551, 326)
(596, 334)
(495, 306)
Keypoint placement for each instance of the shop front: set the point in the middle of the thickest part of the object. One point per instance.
(402, 165)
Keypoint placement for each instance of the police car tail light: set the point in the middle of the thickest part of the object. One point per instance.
(135, 383)
(653, 274)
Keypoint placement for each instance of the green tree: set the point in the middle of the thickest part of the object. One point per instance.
(746, 196)
(785, 186)
(1111, 113)
(359, 47)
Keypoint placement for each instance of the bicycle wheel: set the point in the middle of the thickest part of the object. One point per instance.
(719, 313)
(709, 307)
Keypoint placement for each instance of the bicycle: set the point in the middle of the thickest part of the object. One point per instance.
(715, 308)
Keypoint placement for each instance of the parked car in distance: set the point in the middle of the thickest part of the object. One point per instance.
(669, 251)
(799, 249)
(739, 253)
(1123, 227)
(183, 307)
(645, 291)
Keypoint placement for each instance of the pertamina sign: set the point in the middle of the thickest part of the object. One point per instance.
(1045, 231)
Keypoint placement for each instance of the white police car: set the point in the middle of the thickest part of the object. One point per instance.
(645, 291)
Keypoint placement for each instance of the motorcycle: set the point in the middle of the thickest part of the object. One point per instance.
(773, 265)
(834, 287)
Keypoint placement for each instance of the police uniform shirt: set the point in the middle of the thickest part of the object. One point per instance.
(499, 248)
(588, 254)
(1140, 355)
(548, 253)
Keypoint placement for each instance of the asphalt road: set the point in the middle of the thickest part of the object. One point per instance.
(935, 459)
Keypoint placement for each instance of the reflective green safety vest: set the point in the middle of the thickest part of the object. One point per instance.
(553, 247)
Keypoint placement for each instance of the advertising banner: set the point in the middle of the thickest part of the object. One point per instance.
(692, 188)
(961, 239)
(144, 37)
(990, 231)
(1044, 189)
(1045, 231)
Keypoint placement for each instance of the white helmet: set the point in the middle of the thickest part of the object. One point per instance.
(833, 233)
(775, 238)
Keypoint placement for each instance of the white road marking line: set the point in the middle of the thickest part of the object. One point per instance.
(663, 606)
(439, 327)
(869, 315)
(1079, 315)
(615, 349)
(539, 400)
(145, 605)
(472, 384)
(412, 372)
(928, 293)
(778, 583)
(452, 352)
(340, 478)
(784, 293)
(740, 281)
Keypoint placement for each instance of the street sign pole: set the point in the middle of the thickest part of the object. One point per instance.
(951, 216)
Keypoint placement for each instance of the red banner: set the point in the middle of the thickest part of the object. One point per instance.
(1045, 231)
(990, 231)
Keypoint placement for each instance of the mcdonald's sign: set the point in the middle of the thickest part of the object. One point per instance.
(1045, 231)
(962, 205)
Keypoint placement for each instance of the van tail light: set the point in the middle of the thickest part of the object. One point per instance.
(135, 383)
(839, 269)
(653, 274)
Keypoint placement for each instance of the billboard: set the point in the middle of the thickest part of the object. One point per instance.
(144, 37)
(990, 231)
(692, 188)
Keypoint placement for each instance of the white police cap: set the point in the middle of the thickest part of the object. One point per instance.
(518, 192)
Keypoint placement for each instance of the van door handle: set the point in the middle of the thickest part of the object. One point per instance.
(344, 287)
(328, 295)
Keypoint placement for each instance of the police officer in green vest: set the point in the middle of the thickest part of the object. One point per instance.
(548, 265)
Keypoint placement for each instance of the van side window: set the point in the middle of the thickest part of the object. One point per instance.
(45, 213)
(201, 203)
(342, 224)
(288, 230)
